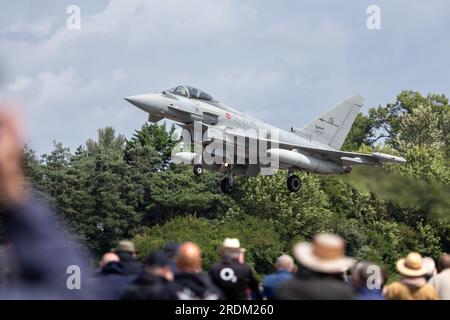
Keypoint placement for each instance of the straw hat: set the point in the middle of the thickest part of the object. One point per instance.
(232, 244)
(325, 254)
(412, 265)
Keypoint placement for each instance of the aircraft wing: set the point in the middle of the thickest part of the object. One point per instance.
(346, 158)
(343, 158)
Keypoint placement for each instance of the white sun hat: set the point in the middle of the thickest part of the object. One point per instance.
(325, 254)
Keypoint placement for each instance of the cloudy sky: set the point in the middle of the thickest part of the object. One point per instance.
(281, 61)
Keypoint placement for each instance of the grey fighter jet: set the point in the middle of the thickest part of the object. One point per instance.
(314, 148)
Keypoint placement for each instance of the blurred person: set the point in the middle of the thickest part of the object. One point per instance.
(109, 282)
(431, 267)
(242, 255)
(8, 268)
(154, 283)
(413, 284)
(441, 281)
(236, 280)
(127, 253)
(284, 271)
(191, 283)
(170, 249)
(368, 280)
(320, 276)
(49, 265)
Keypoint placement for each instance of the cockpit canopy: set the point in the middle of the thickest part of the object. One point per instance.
(190, 92)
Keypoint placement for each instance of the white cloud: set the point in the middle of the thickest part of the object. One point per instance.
(20, 85)
(39, 29)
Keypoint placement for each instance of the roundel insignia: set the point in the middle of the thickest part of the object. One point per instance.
(228, 115)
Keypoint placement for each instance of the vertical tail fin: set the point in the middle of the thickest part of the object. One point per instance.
(332, 127)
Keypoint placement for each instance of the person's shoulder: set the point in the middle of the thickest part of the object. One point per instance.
(293, 282)
(215, 267)
(394, 289)
(442, 276)
(270, 277)
(429, 291)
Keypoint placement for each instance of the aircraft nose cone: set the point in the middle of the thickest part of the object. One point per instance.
(147, 102)
(135, 99)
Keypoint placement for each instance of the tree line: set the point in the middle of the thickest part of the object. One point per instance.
(114, 188)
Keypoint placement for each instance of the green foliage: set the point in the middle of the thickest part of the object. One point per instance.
(295, 215)
(360, 133)
(257, 236)
(108, 143)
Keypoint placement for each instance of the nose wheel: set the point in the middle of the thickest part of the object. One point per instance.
(198, 170)
(227, 185)
(294, 183)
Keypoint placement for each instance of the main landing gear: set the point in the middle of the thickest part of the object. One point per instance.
(293, 182)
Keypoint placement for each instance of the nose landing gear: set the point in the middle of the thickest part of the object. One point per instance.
(198, 170)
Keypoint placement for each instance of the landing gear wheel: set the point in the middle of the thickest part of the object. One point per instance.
(198, 170)
(227, 185)
(294, 183)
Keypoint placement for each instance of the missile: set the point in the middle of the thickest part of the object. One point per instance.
(305, 162)
(383, 157)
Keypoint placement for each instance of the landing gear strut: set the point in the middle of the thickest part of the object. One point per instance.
(198, 170)
(227, 185)
(293, 183)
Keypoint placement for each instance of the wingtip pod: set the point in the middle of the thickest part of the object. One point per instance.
(384, 157)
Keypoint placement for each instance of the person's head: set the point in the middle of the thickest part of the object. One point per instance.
(157, 264)
(231, 249)
(412, 266)
(126, 246)
(325, 254)
(285, 263)
(108, 258)
(189, 258)
(171, 248)
(444, 262)
(368, 274)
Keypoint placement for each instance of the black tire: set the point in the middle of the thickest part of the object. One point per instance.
(226, 185)
(294, 183)
(198, 170)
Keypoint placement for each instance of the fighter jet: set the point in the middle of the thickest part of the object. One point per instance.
(314, 148)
